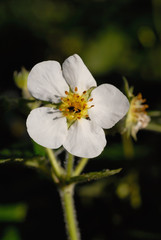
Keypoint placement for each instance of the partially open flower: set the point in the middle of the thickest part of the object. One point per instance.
(20, 79)
(80, 109)
(137, 117)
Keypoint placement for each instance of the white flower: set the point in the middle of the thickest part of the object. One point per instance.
(81, 111)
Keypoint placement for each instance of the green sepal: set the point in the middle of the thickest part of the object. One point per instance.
(20, 78)
(88, 93)
(128, 90)
(70, 122)
(86, 177)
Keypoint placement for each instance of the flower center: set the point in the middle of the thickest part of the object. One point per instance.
(138, 107)
(75, 106)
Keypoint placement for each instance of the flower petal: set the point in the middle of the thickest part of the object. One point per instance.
(47, 127)
(110, 105)
(85, 139)
(46, 82)
(77, 74)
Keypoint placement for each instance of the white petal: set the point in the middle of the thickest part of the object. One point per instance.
(85, 139)
(77, 74)
(110, 105)
(46, 82)
(47, 127)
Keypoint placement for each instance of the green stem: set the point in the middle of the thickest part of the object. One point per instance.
(154, 127)
(66, 195)
(54, 163)
(79, 168)
(70, 162)
(128, 147)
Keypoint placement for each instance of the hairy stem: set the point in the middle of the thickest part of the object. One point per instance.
(128, 147)
(66, 194)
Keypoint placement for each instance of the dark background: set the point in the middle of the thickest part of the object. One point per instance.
(115, 39)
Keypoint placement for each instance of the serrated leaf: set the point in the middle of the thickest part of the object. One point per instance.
(11, 160)
(93, 176)
(34, 162)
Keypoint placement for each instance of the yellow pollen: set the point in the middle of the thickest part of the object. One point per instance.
(74, 106)
(137, 117)
(137, 108)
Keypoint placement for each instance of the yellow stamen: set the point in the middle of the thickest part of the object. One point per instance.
(74, 106)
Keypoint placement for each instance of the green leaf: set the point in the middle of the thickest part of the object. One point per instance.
(11, 160)
(93, 176)
(38, 150)
(38, 162)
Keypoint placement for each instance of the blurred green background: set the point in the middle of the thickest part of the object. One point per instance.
(114, 38)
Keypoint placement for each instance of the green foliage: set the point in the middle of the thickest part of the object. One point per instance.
(100, 56)
(87, 177)
(13, 212)
(38, 150)
(38, 162)
(11, 233)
